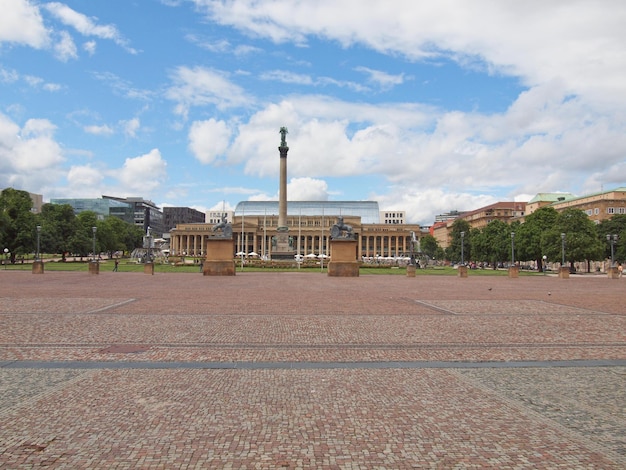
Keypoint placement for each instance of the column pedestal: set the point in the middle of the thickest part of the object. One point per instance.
(410, 270)
(514, 272)
(564, 272)
(343, 261)
(463, 271)
(148, 268)
(94, 267)
(219, 257)
(613, 273)
(38, 267)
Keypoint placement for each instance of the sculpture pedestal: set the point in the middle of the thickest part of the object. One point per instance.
(410, 270)
(343, 261)
(282, 250)
(463, 271)
(219, 257)
(514, 272)
(148, 268)
(564, 272)
(613, 273)
(94, 267)
(38, 267)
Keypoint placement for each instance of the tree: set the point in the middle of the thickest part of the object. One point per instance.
(114, 234)
(58, 227)
(17, 222)
(528, 235)
(492, 243)
(616, 225)
(453, 252)
(581, 238)
(429, 245)
(82, 241)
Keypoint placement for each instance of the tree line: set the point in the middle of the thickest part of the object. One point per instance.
(540, 235)
(61, 231)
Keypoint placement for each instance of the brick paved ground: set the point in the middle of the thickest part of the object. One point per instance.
(321, 372)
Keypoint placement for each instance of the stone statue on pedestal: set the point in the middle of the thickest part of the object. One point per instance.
(224, 229)
(340, 230)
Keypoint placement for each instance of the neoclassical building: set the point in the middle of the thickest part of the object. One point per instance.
(256, 222)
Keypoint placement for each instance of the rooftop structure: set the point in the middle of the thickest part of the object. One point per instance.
(368, 211)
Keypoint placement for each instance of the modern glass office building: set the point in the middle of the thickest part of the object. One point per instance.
(102, 207)
(368, 211)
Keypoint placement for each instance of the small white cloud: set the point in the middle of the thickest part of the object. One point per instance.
(307, 189)
(131, 127)
(99, 130)
(384, 80)
(90, 47)
(65, 49)
(208, 140)
(84, 176)
(201, 86)
(144, 173)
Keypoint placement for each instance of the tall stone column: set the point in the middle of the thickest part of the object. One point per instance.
(282, 247)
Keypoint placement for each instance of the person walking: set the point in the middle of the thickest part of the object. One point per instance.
(117, 262)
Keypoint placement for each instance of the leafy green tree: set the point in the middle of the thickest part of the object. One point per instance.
(17, 222)
(581, 238)
(453, 251)
(528, 235)
(82, 241)
(429, 245)
(114, 234)
(493, 242)
(616, 225)
(58, 227)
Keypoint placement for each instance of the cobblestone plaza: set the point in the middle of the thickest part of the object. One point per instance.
(300, 370)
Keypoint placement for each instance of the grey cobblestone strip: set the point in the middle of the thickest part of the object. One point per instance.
(308, 365)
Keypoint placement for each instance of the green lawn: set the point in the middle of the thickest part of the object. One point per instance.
(127, 266)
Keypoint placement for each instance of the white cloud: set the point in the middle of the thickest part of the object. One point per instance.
(208, 140)
(85, 178)
(85, 25)
(99, 130)
(142, 174)
(65, 49)
(30, 157)
(382, 79)
(307, 189)
(201, 86)
(537, 41)
(90, 47)
(131, 127)
(21, 23)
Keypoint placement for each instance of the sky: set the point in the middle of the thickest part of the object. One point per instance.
(423, 106)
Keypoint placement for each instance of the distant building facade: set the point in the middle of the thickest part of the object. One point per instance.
(145, 214)
(598, 206)
(173, 216)
(255, 223)
(215, 217)
(392, 217)
(102, 207)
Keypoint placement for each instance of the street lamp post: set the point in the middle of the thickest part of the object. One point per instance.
(38, 237)
(512, 248)
(462, 247)
(545, 266)
(562, 249)
(6, 258)
(94, 229)
(612, 239)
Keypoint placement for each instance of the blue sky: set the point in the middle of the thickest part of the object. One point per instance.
(424, 106)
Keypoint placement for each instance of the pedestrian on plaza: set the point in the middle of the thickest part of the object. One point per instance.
(117, 262)
(620, 268)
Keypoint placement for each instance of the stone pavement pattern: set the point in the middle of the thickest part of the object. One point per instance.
(343, 415)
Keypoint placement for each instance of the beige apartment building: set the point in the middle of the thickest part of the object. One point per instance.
(599, 206)
(479, 218)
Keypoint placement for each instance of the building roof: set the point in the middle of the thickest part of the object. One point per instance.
(367, 210)
(550, 197)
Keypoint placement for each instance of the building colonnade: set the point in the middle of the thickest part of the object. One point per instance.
(308, 237)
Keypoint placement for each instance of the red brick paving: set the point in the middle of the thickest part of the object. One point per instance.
(543, 417)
